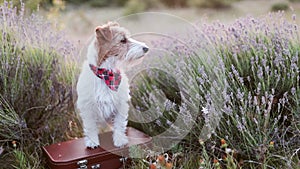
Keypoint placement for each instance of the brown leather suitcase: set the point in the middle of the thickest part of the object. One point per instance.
(73, 154)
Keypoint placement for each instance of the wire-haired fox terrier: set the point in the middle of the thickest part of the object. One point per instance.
(103, 89)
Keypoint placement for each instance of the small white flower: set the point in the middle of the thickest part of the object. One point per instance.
(228, 150)
(204, 110)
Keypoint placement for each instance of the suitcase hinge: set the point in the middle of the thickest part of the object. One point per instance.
(82, 164)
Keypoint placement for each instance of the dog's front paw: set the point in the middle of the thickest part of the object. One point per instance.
(91, 144)
(120, 140)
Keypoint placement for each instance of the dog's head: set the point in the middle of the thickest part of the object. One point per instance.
(114, 41)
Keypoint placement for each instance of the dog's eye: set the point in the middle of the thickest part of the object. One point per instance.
(124, 40)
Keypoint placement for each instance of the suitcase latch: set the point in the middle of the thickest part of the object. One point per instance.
(82, 164)
(96, 166)
(123, 159)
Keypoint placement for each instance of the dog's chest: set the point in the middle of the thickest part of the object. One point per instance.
(109, 101)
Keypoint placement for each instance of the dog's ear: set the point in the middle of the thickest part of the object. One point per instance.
(103, 33)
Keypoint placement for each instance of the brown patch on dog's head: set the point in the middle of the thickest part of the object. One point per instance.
(111, 41)
(104, 32)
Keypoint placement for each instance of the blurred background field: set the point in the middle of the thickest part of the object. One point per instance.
(79, 18)
(258, 58)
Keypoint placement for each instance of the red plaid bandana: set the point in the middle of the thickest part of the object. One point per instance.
(112, 79)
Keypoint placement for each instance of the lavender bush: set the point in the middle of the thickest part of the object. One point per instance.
(262, 63)
(247, 77)
(37, 69)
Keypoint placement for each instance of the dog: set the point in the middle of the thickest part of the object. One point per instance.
(102, 87)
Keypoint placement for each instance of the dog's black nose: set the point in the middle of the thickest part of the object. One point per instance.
(145, 49)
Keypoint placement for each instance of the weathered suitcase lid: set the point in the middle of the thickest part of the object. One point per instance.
(74, 150)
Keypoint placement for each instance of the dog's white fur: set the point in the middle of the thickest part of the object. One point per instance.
(112, 49)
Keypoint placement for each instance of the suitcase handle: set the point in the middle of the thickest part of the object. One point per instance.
(83, 164)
